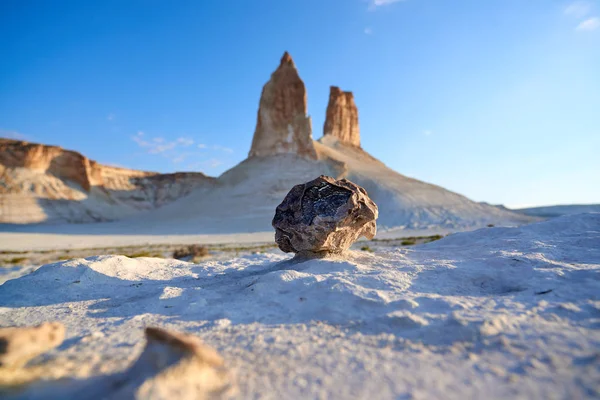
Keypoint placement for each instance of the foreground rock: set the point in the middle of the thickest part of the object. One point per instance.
(341, 119)
(283, 125)
(172, 365)
(324, 216)
(18, 345)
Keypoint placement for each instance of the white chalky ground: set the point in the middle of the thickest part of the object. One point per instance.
(494, 313)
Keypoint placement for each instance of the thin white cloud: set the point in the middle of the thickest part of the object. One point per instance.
(139, 139)
(178, 150)
(590, 24)
(373, 4)
(578, 9)
(427, 132)
(12, 135)
(222, 148)
(162, 148)
(155, 145)
(215, 147)
(186, 142)
(158, 145)
(368, 31)
(213, 163)
(180, 158)
(111, 117)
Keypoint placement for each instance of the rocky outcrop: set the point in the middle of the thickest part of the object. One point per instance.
(64, 164)
(324, 216)
(283, 125)
(40, 183)
(341, 120)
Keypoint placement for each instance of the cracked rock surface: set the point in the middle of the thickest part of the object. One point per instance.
(324, 216)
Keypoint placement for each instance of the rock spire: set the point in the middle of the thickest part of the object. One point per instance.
(283, 125)
(341, 119)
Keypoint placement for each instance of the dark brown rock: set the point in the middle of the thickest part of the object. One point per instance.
(324, 216)
(341, 119)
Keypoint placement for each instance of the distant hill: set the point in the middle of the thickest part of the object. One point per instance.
(559, 210)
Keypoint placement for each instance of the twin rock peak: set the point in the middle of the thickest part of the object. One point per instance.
(283, 124)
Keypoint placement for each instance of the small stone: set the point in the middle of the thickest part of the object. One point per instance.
(324, 216)
(18, 345)
(174, 365)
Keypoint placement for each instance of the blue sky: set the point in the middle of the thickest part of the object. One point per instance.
(498, 100)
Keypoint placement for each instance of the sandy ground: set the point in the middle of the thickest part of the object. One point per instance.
(21, 241)
(494, 313)
(61, 237)
(16, 263)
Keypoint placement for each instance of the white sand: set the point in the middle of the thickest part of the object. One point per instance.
(23, 241)
(494, 313)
